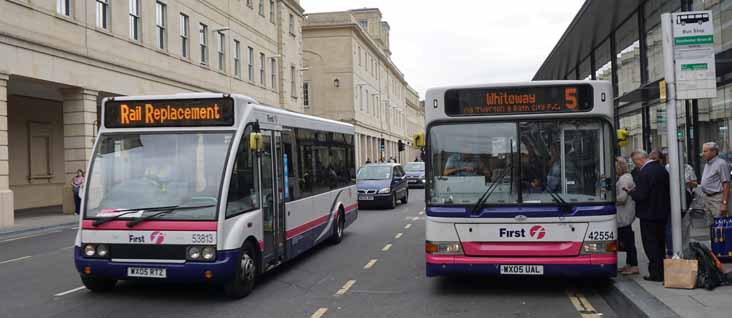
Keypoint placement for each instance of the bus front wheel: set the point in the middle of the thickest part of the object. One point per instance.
(98, 284)
(245, 275)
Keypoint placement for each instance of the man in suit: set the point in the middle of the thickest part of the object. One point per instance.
(653, 207)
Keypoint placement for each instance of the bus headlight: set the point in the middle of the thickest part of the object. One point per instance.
(385, 190)
(201, 253)
(90, 250)
(102, 250)
(599, 247)
(443, 248)
(208, 253)
(194, 253)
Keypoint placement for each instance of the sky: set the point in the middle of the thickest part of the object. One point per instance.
(437, 42)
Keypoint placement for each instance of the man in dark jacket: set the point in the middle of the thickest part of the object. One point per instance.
(653, 207)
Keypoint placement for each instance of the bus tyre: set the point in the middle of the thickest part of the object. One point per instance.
(393, 202)
(338, 228)
(245, 274)
(98, 285)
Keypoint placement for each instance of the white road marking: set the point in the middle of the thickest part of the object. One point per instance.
(28, 236)
(69, 291)
(319, 313)
(421, 212)
(75, 228)
(398, 235)
(68, 247)
(15, 260)
(345, 287)
(415, 218)
(370, 264)
(386, 247)
(408, 226)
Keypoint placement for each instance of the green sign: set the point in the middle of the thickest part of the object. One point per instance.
(695, 66)
(693, 40)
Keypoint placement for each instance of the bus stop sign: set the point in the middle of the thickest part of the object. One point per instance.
(693, 45)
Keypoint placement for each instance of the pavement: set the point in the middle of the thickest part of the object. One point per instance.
(376, 271)
(694, 303)
(38, 220)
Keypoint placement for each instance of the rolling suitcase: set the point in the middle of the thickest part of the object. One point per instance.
(721, 238)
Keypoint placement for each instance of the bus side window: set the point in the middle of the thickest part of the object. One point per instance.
(243, 196)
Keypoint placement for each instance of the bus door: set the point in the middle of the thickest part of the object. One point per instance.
(582, 160)
(273, 205)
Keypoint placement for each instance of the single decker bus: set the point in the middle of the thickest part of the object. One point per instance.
(211, 188)
(520, 179)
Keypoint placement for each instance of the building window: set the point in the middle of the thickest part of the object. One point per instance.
(262, 75)
(359, 56)
(221, 49)
(292, 24)
(203, 40)
(360, 103)
(366, 98)
(271, 11)
(250, 4)
(306, 94)
(250, 67)
(364, 24)
(135, 20)
(273, 61)
(64, 7)
(261, 7)
(237, 59)
(184, 35)
(103, 14)
(293, 88)
(160, 24)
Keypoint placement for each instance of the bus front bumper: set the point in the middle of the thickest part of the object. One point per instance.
(221, 270)
(598, 265)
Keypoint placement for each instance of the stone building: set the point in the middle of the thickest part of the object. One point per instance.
(59, 58)
(349, 76)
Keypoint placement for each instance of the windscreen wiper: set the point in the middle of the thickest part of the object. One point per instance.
(166, 211)
(124, 212)
(563, 205)
(494, 184)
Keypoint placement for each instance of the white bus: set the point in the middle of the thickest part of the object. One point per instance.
(520, 179)
(210, 188)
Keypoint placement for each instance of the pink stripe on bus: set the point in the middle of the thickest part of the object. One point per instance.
(306, 227)
(522, 248)
(154, 226)
(601, 259)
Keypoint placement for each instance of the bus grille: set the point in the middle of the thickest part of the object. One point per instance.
(138, 251)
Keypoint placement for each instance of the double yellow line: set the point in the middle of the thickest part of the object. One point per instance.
(583, 306)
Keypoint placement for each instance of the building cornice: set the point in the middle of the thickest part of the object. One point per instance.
(294, 6)
(364, 37)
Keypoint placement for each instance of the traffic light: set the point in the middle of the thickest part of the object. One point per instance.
(622, 137)
(418, 140)
(400, 145)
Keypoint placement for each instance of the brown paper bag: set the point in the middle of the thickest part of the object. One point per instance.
(680, 273)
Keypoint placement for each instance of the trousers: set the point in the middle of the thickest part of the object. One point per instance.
(653, 235)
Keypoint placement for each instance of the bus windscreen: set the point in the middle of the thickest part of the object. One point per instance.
(518, 100)
(169, 113)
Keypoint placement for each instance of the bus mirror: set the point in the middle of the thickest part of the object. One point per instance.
(418, 140)
(255, 142)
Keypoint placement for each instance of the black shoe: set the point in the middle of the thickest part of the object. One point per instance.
(652, 279)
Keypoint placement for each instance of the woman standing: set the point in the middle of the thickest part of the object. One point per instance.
(626, 215)
(77, 183)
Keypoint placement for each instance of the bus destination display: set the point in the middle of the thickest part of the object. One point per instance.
(518, 100)
(169, 113)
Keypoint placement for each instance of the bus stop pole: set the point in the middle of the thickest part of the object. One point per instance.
(673, 145)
